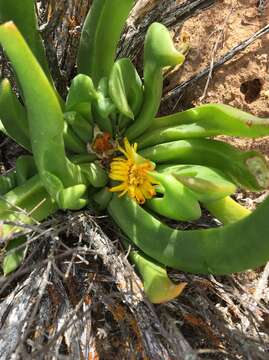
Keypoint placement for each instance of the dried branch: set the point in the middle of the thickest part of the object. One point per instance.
(262, 284)
(14, 312)
(154, 336)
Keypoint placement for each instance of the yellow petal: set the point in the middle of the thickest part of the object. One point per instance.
(132, 172)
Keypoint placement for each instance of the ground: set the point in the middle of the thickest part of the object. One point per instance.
(244, 81)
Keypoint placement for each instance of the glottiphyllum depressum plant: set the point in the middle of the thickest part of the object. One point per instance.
(155, 167)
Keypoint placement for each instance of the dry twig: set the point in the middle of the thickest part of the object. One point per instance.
(130, 287)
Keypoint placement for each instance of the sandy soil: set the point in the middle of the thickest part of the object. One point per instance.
(243, 82)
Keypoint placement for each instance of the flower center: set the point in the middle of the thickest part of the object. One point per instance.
(138, 174)
(133, 174)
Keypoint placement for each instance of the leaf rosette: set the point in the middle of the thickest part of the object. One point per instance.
(104, 146)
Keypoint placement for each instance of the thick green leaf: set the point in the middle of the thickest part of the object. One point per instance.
(177, 203)
(14, 255)
(25, 168)
(226, 210)
(44, 112)
(248, 169)
(80, 126)
(100, 36)
(13, 116)
(22, 13)
(206, 183)
(8, 182)
(231, 248)
(159, 52)
(157, 285)
(125, 88)
(24, 204)
(81, 95)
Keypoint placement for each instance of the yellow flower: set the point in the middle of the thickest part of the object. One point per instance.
(133, 173)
